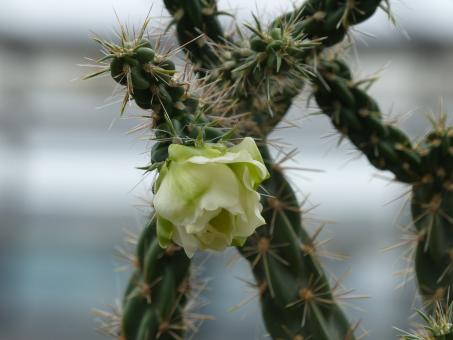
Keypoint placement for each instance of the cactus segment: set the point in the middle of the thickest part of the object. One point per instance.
(427, 167)
(156, 296)
(296, 298)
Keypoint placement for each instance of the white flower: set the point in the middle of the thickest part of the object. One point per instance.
(206, 196)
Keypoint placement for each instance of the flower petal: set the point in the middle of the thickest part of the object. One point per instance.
(240, 157)
(189, 191)
(248, 144)
(187, 241)
(180, 153)
(218, 234)
(247, 223)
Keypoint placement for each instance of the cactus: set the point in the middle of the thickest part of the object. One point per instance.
(248, 84)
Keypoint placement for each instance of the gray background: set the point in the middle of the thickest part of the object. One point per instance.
(68, 187)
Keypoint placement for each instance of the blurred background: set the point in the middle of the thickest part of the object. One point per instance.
(69, 188)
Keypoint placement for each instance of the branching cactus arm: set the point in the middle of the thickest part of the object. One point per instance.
(325, 22)
(358, 117)
(427, 167)
(432, 213)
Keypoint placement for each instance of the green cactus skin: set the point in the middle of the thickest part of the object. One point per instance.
(428, 167)
(432, 212)
(358, 117)
(262, 74)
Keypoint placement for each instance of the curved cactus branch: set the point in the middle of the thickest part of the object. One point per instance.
(427, 167)
(296, 298)
(303, 32)
(358, 117)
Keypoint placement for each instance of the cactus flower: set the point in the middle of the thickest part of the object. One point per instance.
(206, 196)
